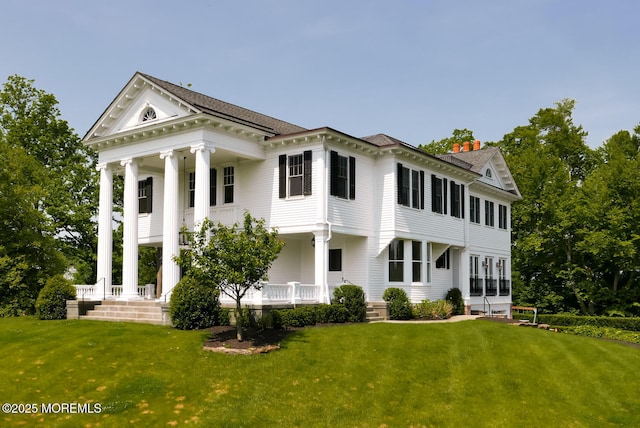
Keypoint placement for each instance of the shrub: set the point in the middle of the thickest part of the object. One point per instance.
(52, 300)
(629, 323)
(308, 315)
(331, 314)
(434, 310)
(195, 305)
(351, 297)
(454, 296)
(399, 304)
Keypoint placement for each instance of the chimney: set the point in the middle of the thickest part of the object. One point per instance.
(465, 146)
(476, 145)
(456, 147)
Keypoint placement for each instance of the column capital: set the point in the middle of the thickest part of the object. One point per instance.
(200, 147)
(127, 161)
(167, 153)
(102, 165)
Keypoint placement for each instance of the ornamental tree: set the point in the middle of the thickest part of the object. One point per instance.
(233, 259)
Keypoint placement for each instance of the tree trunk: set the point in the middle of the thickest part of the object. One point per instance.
(238, 319)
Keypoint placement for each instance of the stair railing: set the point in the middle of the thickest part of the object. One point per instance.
(484, 304)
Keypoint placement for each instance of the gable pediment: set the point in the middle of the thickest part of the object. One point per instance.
(140, 103)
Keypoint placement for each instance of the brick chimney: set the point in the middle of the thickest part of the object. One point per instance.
(476, 145)
(456, 147)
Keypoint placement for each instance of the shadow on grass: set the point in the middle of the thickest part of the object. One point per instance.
(225, 336)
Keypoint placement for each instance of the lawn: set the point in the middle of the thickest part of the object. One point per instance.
(472, 373)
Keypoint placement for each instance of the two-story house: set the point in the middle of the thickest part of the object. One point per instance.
(372, 211)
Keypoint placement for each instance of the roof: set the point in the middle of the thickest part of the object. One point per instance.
(477, 159)
(382, 140)
(225, 110)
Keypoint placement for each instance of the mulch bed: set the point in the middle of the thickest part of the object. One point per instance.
(223, 339)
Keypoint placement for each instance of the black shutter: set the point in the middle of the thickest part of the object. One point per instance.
(400, 184)
(149, 190)
(434, 194)
(213, 183)
(462, 201)
(352, 177)
(282, 176)
(453, 199)
(421, 190)
(444, 195)
(333, 173)
(306, 171)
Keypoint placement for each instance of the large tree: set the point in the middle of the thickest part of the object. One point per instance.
(549, 160)
(57, 185)
(234, 259)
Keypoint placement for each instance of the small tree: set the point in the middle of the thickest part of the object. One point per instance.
(234, 259)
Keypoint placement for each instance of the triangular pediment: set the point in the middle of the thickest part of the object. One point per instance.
(492, 167)
(139, 104)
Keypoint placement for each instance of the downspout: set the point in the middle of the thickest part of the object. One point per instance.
(325, 220)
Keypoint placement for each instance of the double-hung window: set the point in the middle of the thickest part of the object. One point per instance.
(438, 194)
(145, 195)
(474, 209)
(489, 214)
(228, 182)
(416, 256)
(502, 216)
(410, 187)
(457, 199)
(396, 261)
(342, 176)
(295, 174)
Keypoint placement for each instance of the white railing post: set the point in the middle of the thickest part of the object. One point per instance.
(295, 291)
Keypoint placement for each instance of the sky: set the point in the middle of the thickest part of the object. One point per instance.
(414, 70)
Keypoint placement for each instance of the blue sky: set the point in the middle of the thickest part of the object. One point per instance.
(415, 70)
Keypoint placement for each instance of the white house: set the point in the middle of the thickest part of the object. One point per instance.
(372, 211)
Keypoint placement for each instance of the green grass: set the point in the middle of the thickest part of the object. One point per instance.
(473, 373)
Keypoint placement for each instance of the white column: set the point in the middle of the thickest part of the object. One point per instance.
(170, 223)
(105, 232)
(321, 263)
(130, 231)
(201, 202)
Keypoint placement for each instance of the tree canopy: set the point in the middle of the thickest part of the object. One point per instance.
(48, 196)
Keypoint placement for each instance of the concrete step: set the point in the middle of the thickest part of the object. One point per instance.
(112, 319)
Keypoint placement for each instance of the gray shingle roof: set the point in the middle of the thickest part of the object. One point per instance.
(477, 159)
(382, 140)
(226, 110)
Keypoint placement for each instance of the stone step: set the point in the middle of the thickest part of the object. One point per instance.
(149, 312)
(112, 319)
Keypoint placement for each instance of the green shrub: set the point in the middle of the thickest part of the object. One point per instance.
(52, 300)
(308, 315)
(562, 320)
(351, 297)
(331, 314)
(604, 332)
(194, 305)
(399, 305)
(434, 310)
(454, 296)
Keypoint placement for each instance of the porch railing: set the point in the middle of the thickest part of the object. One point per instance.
(492, 287)
(291, 292)
(505, 287)
(93, 291)
(476, 288)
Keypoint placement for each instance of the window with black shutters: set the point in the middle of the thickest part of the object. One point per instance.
(396, 260)
(457, 199)
(294, 174)
(342, 176)
(410, 187)
(474, 209)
